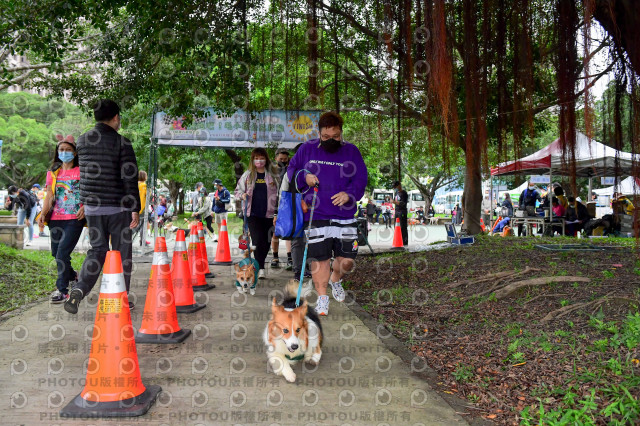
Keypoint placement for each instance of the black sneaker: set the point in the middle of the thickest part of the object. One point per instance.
(275, 263)
(131, 305)
(57, 297)
(289, 265)
(71, 305)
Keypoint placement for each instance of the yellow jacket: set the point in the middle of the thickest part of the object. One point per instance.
(142, 187)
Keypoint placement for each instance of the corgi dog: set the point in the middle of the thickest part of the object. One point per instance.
(293, 334)
(247, 274)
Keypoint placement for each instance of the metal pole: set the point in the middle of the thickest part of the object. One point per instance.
(491, 209)
(155, 192)
(550, 195)
(590, 190)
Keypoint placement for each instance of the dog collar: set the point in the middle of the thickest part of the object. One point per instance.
(295, 358)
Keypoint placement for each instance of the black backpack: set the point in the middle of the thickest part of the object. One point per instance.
(33, 199)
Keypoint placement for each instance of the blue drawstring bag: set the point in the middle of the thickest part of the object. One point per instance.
(290, 216)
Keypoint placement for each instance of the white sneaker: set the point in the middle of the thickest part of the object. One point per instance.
(27, 244)
(322, 306)
(337, 291)
(261, 274)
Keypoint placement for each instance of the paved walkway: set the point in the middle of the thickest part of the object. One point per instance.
(219, 375)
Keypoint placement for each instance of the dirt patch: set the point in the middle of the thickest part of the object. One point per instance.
(509, 327)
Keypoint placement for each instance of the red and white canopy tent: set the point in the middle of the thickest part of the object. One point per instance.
(592, 158)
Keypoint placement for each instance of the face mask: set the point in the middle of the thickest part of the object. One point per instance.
(283, 164)
(331, 145)
(532, 187)
(259, 163)
(13, 195)
(66, 156)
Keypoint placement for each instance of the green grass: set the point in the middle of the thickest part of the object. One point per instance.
(5, 213)
(28, 275)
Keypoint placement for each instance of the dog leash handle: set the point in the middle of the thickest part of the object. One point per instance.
(306, 246)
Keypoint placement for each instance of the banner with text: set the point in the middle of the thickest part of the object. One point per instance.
(276, 128)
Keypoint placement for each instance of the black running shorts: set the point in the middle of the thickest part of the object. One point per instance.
(332, 238)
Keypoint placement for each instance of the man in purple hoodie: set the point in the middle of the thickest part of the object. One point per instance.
(339, 171)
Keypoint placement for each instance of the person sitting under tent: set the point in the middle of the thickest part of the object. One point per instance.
(527, 201)
(559, 193)
(624, 202)
(577, 217)
(558, 213)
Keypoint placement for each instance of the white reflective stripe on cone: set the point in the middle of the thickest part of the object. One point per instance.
(161, 258)
(223, 228)
(112, 283)
(180, 246)
(201, 233)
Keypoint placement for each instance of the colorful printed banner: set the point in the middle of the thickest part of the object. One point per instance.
(276, 128)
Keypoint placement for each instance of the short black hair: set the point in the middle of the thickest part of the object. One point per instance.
(105, 109)
(12, 189)
(571, 199)
(395, 184)
(330, 119)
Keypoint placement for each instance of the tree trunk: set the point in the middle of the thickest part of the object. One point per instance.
(174, 193)
(429, 191)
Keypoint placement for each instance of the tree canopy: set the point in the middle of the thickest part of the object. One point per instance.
(424, 85)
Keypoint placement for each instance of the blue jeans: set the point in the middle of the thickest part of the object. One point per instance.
(64, 237)
(22, 215)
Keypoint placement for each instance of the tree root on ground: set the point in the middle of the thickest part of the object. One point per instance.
(508, 289)
(565, 310)
(544, 295)
(500, 276)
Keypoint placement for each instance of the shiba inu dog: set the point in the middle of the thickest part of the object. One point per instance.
(293, 334)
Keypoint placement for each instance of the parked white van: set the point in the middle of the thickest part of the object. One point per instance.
(416, 199)
(379, 195)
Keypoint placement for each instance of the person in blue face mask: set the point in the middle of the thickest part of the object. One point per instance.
(64, 213)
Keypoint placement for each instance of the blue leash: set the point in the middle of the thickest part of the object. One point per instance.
(306, 246)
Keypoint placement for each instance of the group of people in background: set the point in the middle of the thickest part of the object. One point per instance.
(94, 182)
(570, 209)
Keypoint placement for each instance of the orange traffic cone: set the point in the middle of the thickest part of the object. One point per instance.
(482, 225)
(181, 278)
(198, 282)
(203, 251)
(397, 237)
(223, 253)
(159, 319)
(113, 386)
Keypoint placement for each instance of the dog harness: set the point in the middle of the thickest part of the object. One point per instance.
(295, 358)
(256, 267)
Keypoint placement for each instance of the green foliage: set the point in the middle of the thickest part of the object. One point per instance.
(28, 275)
(28, 125)
(463, 373)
